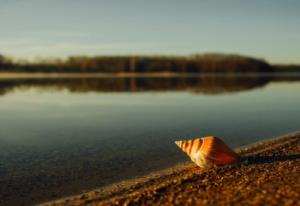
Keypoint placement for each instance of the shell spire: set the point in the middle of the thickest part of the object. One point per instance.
(207, 151)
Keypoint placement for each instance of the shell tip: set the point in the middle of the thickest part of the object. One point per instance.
(177, 143)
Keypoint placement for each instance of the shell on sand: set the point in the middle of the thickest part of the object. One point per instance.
(207, 151)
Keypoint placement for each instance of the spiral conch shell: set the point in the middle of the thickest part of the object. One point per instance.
(207, 151)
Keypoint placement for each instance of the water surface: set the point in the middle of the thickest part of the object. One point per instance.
(63, 136)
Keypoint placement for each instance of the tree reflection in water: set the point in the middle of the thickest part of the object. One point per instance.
(205, 84)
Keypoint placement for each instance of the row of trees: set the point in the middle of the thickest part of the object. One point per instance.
(114, 64)
(5, 63)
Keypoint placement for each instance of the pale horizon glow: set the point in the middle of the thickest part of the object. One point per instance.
(61, 28)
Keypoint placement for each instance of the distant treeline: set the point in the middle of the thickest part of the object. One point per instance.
(287, 68)
(117, 64)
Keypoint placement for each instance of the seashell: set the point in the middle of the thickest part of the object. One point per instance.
(207, 151)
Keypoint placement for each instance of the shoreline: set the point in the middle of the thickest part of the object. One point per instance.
(41, 75)
(143, 188)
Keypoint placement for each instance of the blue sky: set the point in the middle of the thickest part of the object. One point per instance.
(58, 28)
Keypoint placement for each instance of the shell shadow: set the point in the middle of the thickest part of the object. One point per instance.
(261, 159)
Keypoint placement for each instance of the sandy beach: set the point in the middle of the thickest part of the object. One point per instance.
(267, 175)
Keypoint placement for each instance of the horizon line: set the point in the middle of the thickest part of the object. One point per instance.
(36, 58)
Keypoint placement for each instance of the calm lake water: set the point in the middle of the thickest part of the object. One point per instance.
(63, 136)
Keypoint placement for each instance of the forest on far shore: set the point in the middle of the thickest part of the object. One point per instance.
(199, 63)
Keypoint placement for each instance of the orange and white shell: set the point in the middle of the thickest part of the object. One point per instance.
(208, 151)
